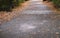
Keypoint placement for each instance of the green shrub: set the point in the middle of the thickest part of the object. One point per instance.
(4, 5)
(56, 3)
(9, 4)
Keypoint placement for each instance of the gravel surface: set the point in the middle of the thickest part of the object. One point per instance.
(36, 21)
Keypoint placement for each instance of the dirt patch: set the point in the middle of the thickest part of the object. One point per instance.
(51, 6)
(7, 16)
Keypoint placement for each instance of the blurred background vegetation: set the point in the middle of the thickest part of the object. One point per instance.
(56, 3)
(6, 5)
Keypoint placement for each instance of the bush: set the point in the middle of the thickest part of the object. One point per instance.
(4, 4)
(56, 3)
(9, 4)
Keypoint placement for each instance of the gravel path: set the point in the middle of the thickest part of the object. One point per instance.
(36, 21)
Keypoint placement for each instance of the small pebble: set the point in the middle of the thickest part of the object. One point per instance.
(0, 22)
(57, 33)
(0, 30)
